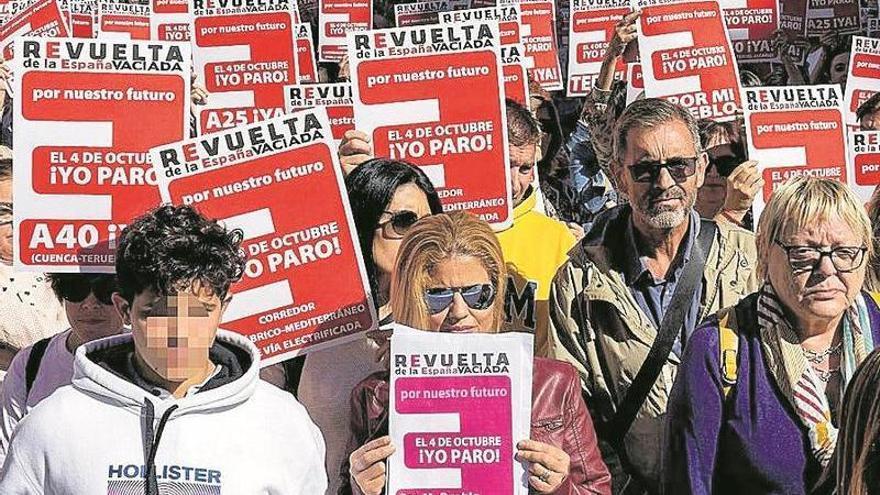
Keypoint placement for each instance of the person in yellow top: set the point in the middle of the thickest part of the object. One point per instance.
(535, 246)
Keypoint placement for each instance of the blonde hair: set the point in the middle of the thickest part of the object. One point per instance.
(802, 201)
(431, 241)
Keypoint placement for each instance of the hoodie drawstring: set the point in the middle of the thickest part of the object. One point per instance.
(151, 487)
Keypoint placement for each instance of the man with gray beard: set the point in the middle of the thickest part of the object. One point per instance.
(640, 282)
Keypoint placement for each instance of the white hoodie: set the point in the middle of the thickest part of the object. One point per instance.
(93, 437)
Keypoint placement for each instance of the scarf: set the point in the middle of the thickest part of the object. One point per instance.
(797, 379)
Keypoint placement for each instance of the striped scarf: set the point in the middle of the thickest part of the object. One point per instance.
(797, 379)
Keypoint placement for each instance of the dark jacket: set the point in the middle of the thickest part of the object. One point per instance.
(752, 441)
(559, 418)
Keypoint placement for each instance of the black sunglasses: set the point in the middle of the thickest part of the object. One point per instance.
(679, 168)
(77, 291)
(400, 221)
(475, 296)
(726, 157)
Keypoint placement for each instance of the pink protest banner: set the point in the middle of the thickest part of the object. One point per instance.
(335, 98)
(838, 16)
(305, 53)
(687, 57)
(864, 168)
(41, 19)
(86, 113)
(245, 55)
(83, 18)
(591, 29)
(171, 20)
(123, 21)
(459, 404)
(419, 13)
(793, 131)
(751, 24)
(337, 18)
(252, 177)
(864, 76)
(434, 96)
(538, 31)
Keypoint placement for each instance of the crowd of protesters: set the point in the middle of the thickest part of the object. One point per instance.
(681, 344)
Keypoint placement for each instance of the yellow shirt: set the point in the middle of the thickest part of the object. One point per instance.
(534, 248)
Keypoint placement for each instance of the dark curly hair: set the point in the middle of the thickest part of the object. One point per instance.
(170, 247)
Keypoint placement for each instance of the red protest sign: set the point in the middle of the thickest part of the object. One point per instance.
(305, 54)
(336, 19)
(171, 20)
(41, 19)
(751, 24)
(245, 55)
(538, 32)
(687, 57)
(86, 112)
(838, 16)
(335, 98)
(635, 82)
(590, 30)
(864, 168)
(793, 18)
(795, 130)
(864, 76)
(516, 84)
(252, 178)
(419, 13)
(433, 96)
(123, 20)
(83, 18)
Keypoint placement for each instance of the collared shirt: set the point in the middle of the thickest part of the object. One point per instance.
(655, 295)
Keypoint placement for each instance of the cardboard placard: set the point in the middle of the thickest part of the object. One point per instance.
(838, 16)
(171, 20)
(86, 115)
(538, 31)
(41, 19)
(305, 52)
(83, 18)
(434, 96)
(795, 130)
(337, 18)
(123, 21)
(864, 167)
(751, 24)
(334, 98)
(592, 26)
(459, 403)
(419, 13)
(687, 57)
(245, 56)
(864, 76)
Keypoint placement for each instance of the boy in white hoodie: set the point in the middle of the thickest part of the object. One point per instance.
(177, 406)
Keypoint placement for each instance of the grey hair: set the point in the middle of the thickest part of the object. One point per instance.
(648, 113)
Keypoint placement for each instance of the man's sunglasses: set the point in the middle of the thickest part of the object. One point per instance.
(679, 168)
(77, 291)
(475, 296)
(726, 157)
(400, 221)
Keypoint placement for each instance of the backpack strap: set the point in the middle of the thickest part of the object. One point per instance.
(728, 346)
(33, 364)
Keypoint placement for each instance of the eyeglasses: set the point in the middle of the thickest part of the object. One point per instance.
(679, 168)
(77, 292)
(807, 258)
(726, 157)
(478, 296)
(396, 226)
(5, 214)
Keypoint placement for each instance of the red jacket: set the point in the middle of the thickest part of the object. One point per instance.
(559, 418)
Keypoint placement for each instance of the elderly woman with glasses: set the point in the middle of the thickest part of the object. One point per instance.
(450, 277)
(756, 403)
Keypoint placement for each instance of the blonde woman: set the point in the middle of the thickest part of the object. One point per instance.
(755, 407)
(449, 277)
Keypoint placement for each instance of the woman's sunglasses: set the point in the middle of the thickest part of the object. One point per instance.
(400, 221)
(726, 157)
(478, 296)
(77, 292)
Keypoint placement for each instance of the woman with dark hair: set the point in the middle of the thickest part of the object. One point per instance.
(855, 467)
(387, 197)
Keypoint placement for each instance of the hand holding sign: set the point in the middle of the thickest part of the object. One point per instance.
(368, 465)
(549, 465)
(355, 148)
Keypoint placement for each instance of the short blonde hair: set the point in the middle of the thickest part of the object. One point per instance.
(803, 201)
(431, 241)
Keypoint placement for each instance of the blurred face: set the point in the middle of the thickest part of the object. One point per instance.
(823, 292)
(522, 170)
(173, 333)
(408, 204)
(467, 276)
(838, 69)
(6, 221)
(710, 197)
(870, 121)
(661, 200)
